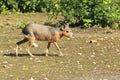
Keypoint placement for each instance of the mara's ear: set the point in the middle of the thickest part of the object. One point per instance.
(64, 27)
(67, 24)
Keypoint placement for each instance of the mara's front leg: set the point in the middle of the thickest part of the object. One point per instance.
(58, 49)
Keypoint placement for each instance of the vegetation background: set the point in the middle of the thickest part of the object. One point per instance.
(88, 13)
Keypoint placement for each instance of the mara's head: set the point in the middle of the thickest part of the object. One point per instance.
(66, 31)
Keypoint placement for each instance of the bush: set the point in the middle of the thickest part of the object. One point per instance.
(77, 12)
(87, 13)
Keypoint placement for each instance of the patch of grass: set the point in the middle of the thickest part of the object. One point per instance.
(115, 26)
(1, 25)
(22, 24)
(108, 30)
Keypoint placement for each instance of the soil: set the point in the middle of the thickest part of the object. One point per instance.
(93, 54)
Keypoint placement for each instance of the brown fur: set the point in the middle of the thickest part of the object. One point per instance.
(39, 32)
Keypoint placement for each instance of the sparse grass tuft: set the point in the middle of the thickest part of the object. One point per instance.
(108, 30)
(21, 25)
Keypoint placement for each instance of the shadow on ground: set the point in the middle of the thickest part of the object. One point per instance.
(23, 55)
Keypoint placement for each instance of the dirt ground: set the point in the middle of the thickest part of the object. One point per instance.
(82, 60)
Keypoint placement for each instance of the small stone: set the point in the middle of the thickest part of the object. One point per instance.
(80, 47)
(106, 37)
(94, 62)
(34, 45)
(1, 51)
(5, 62)
(108, 66)
(117, 50)
(98, 44)
(101, 39)
(7, 50)
(78, 62)
(92, 56)
(93, 41)
(20, 49)
(11, 65)
(4, 66)
(32, 78)
(118, 53)
(112, 38)
(105, 47)
(115, 65)
(45, 79)
(11, 75)
(94, 53)
(80, 54)
(105, 79)
(31, 58)
(11, 47)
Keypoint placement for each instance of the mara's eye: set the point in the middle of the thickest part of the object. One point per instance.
(67, 31)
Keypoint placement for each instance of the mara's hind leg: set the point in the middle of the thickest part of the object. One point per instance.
(48, 46)
(30, 44)
(19, 43)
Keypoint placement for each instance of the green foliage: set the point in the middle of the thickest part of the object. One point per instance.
(87, 13)
(87, 23)
(21, 25)
(4, 9)
(76, 12)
